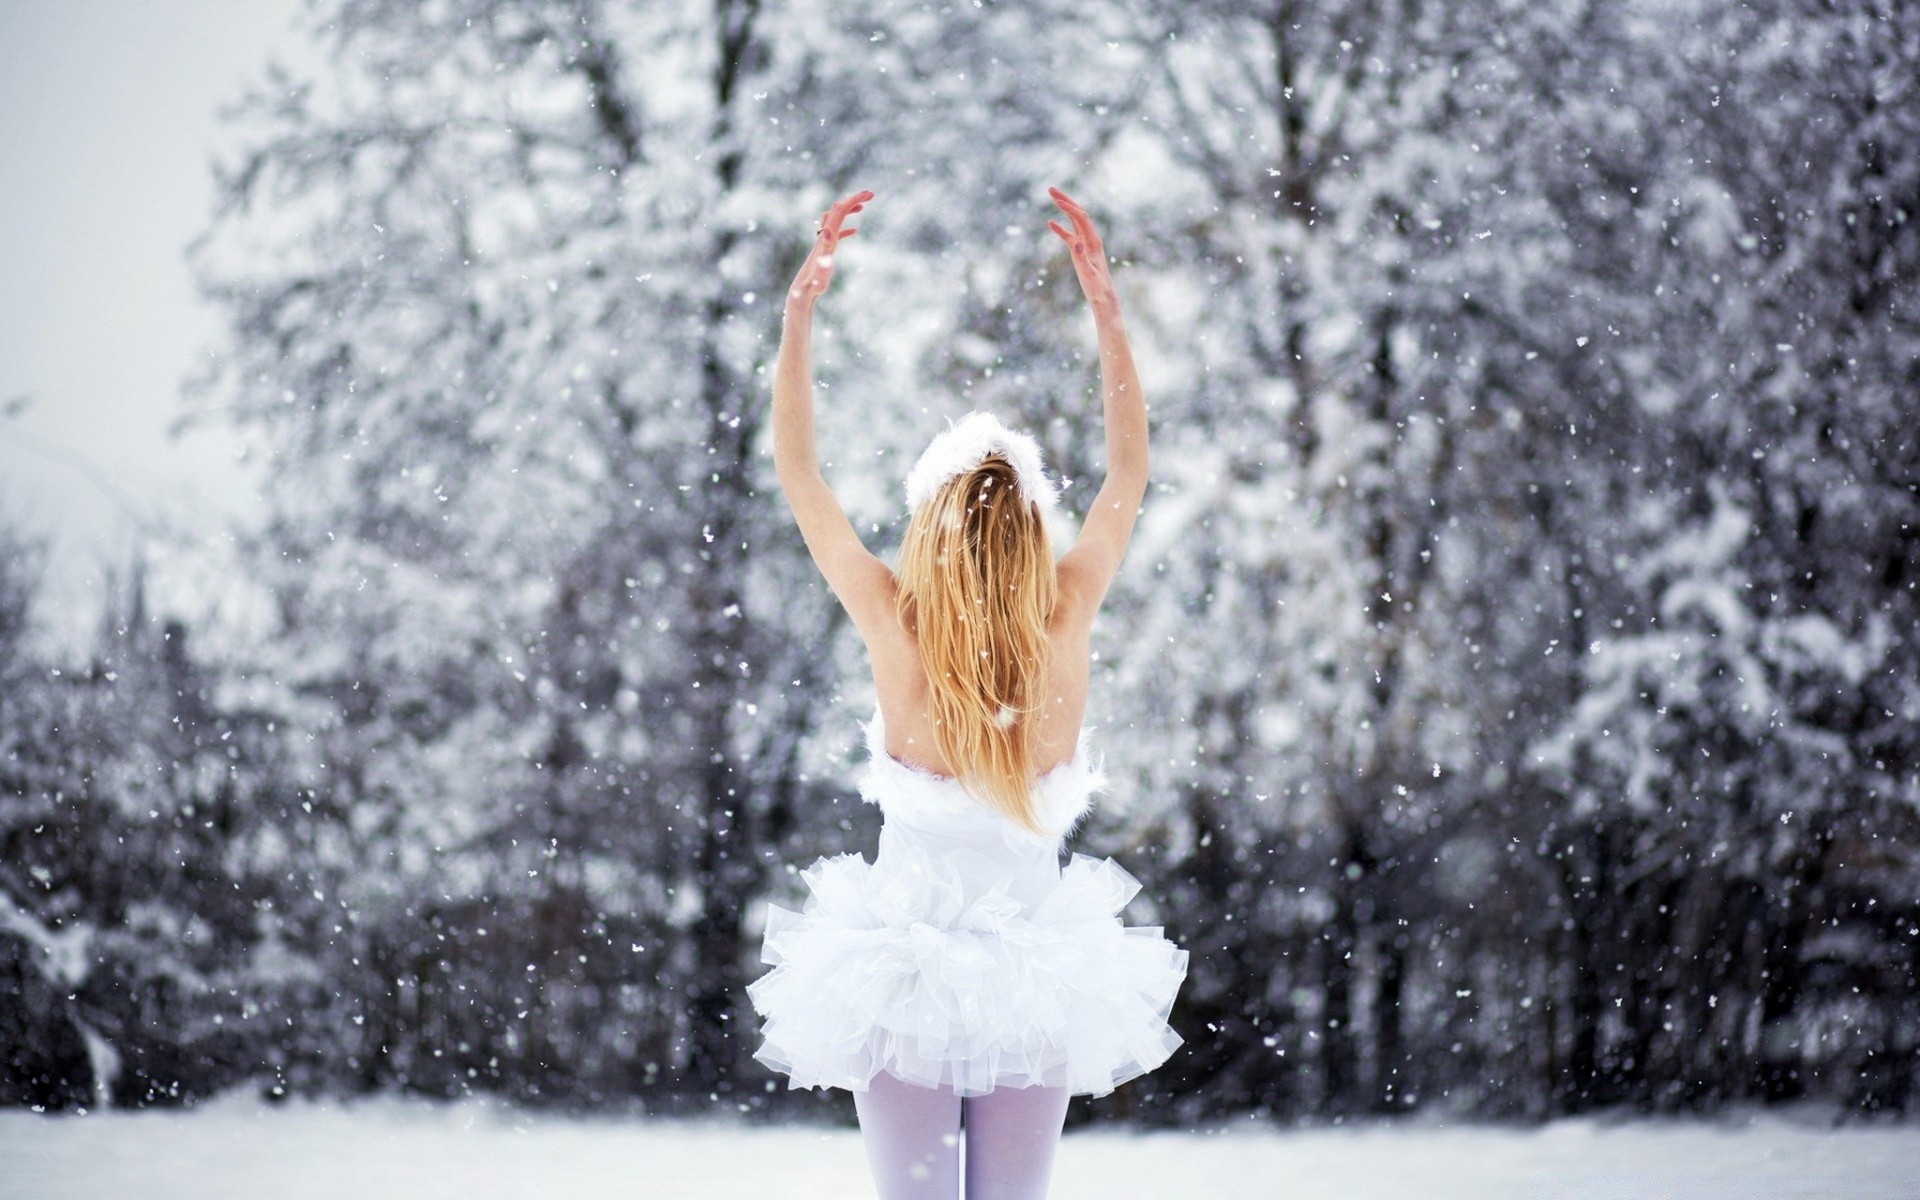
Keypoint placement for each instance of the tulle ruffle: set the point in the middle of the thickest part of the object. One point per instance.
(902, 968)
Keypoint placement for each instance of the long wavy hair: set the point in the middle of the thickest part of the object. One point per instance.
(976, 586)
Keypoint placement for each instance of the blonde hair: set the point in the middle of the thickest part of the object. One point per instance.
(976, 585)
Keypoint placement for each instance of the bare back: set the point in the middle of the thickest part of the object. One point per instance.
(900, 682)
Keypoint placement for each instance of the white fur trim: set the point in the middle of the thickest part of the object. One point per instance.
(967, 442)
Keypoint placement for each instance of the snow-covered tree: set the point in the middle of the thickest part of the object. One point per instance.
(500, 286)
(141, 856)
(1510, 692)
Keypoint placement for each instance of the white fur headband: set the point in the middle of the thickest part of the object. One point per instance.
(963, 445)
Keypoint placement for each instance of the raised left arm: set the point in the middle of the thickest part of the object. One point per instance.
(1088, 568)
(860, 580)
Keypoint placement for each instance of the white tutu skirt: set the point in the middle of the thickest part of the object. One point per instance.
(910, 972)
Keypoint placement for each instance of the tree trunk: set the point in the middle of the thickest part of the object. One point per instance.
(724, 862)
(1339, 1051)
(1390, 1091)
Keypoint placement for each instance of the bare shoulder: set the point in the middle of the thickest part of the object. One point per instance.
(900, 690)
(1081, 587)
(868, 591)
(889, 645)
(1069, 641)
(899, 679)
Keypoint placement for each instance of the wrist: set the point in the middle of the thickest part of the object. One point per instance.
(799, 308)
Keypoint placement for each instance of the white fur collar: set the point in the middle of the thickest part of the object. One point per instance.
(968, 441)
(1062, 796)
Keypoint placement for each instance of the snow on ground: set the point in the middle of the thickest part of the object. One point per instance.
(405, 1150)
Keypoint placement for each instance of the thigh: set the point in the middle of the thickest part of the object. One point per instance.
(912, 1135)
(1011, 1136)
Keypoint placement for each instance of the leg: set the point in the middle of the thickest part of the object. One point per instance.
(1011, 1136)
(913, 1139)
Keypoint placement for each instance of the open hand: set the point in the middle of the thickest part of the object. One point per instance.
(817, 271)
(1089, 254)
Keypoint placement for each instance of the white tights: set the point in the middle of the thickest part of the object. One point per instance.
(912, 1136)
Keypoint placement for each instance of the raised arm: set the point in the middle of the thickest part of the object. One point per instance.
(1088, 568)
(860, 580)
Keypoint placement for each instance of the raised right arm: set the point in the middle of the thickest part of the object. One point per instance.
(1087, 570)
(861, 581)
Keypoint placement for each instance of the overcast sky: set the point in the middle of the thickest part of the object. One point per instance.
(108, 119)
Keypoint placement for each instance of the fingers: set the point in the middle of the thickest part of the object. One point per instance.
(1082, 223)
(852, 204)
(831, 220)
(1086, 248)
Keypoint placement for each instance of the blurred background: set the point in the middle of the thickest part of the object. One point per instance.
(412, 683)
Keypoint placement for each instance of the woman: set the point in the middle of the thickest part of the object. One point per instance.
(963, 976)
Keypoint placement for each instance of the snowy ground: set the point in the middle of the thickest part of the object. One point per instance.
(415, 1151)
